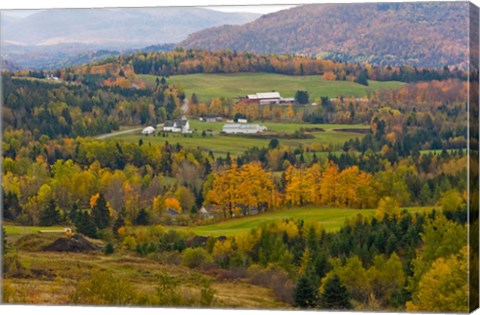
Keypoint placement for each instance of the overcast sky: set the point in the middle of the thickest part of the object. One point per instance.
(259, 6)
(262, 9)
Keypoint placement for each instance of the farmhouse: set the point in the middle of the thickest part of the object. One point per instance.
(267, 98)
(204, 214)
(51, 77)
(172, 212)
(243, 129)
(180, 125)
(148, 130)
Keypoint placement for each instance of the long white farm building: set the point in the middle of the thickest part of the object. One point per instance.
(243, 129)
(267, 98)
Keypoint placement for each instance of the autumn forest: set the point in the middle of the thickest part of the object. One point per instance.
(97, 213)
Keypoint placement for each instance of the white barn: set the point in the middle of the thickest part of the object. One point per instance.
(243, 129)
(265, 98)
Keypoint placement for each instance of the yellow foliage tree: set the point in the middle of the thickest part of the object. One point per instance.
(93, 200)
(244, 188)
(173, 203)
(387, 206)
(329, 185)
(444, 287)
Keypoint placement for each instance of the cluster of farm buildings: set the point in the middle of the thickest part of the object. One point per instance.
(183, 127)
(240, 127)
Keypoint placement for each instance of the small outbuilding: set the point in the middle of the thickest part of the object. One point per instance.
(148, 130)
(204, 214)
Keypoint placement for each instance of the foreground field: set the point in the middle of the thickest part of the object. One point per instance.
(208, 86)
(52, 278)
(220, 144)
(155, 278)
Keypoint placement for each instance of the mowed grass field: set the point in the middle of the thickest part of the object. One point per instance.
(331, 219)
(21, 230)
(208, 86)
(220, 144)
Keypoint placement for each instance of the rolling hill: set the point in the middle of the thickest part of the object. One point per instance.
(418, 34)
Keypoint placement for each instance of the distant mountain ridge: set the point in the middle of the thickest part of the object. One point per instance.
(56, 38)
(419, 34)
(118, 27)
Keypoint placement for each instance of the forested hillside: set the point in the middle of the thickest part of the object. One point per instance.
(393, 162)
(417, 34)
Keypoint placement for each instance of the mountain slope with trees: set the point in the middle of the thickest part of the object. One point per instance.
(417, 34)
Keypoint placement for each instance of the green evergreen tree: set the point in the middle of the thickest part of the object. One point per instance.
(362, 78)
(50, 215)
(301, 97)
(11, 205)
(74, 210)
(425, 194)
(195, 98)
(142, 217)
(117, 225)
(4, 241)
(305, 295)
(335, 295)
(100, 213)
(109, 249)
(85, 225)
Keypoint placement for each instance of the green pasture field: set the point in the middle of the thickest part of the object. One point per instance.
(331, 219)
(220, 144)
(208, 86)
(42, 80)
(20, 230)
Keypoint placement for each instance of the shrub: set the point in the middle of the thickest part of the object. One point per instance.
(8, 292)
(12, 265)
(207, 294)
(195, 257)
(129, 242)
(275, 279)
(104, 288)
(167, 290)
(109, 249)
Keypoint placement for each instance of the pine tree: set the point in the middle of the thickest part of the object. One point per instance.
(4, 241)
(301, 97)
(85, 225)
(425, 194)
(11, 205)
(142, 217)
(50, 215)
(100, 213)
(362, 78)
(335, 295)
(74, 210)
(305, 295)
(118, 224)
